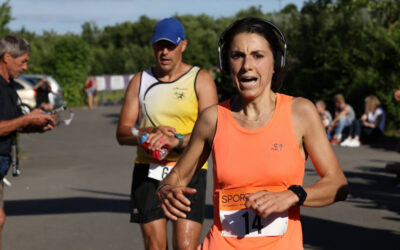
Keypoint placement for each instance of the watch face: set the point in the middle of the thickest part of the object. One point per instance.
(179, 136)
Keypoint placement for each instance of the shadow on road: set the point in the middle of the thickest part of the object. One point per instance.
(113, 116)
(376, 191)
(371, 188)
(65, 206)
(325, 234)
(385, 142)
(100, 192)
(318, 233)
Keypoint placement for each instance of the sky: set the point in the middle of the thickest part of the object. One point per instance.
(67, 16)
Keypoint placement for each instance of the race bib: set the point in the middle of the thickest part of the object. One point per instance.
(160, 171)
(238, 221)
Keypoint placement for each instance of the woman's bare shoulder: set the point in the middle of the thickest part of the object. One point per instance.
(304, 113)
(302, 106)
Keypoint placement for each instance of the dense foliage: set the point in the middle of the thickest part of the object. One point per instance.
(346, 46)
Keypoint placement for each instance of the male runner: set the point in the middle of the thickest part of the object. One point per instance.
(165, 100)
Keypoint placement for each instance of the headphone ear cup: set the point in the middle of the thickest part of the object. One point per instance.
(225, 64)
(278, 60)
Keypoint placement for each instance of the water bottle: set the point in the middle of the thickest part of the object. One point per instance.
(159, 154)
(14, 157)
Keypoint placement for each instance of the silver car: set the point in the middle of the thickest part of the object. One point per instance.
(55, 97)
(27, 95)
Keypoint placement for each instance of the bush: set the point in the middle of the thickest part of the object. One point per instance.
(71, 67)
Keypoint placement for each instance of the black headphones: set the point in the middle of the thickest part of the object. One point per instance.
(280, 54)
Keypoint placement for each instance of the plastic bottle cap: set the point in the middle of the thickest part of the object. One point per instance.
(143, 139)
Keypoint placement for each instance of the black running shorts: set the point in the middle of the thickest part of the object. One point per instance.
(145, 206)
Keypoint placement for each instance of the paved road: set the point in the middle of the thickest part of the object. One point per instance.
(74, 189)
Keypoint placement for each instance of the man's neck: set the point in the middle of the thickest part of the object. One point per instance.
(4, 72)
(172, 75)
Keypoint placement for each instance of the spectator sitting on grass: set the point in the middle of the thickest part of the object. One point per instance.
(370, 126)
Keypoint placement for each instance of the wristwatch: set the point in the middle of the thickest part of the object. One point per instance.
(300, 192)
(180, 137)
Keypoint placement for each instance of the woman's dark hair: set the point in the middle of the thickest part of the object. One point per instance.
(263, 28)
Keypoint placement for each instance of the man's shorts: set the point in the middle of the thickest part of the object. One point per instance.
(4, 165)
(145, 206)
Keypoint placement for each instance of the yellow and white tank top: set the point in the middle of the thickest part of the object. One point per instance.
(173, 104)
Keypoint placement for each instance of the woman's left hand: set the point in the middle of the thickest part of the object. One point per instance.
(265, 203)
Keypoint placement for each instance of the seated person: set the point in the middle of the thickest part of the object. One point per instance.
(325, 115)
(344, 116)
(370, 126)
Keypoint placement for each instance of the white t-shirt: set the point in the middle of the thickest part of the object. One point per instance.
(372, 117)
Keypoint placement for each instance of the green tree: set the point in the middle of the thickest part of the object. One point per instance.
(5, 18)
(42, 49)
(202, 41)
(90, 32)
(347, 46)
(70, 67)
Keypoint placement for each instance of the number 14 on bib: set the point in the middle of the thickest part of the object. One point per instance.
(238, 221)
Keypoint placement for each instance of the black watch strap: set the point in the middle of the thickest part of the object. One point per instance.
(300, 192)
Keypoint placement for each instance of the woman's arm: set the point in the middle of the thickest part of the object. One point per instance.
(312, 140)
(172, 189)
(333, 185)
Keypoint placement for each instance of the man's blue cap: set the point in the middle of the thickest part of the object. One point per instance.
(169, 29)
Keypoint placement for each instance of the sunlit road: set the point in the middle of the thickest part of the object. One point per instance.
(73, 193)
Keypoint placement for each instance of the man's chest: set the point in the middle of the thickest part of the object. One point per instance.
(8, 103)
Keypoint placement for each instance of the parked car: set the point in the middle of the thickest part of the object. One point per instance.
(55, 97)
(26, 94)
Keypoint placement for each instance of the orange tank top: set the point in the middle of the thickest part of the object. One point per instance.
(255, 159)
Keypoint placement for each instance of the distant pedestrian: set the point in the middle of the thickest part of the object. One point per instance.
(91, 91)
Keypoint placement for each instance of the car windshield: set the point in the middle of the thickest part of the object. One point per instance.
(32, 81)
